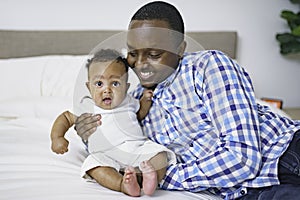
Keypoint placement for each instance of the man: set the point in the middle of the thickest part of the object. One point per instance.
(204, 109)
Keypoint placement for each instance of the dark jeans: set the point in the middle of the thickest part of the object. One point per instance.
(289, 177)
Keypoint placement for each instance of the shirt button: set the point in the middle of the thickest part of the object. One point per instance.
(191, 145)
(166, 117)
(243, 192)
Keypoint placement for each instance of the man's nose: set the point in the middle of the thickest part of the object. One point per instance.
(141, 61)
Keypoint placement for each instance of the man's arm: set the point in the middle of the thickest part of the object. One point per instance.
(229, 98)
(60, 126)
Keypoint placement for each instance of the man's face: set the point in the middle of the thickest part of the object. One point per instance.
(153, 52)
(107, 83)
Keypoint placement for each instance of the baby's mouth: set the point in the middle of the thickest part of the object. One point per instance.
(107, 101)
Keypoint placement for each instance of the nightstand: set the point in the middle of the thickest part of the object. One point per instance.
(293, 112)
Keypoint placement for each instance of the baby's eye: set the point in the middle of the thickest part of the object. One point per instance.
(116, 84)
(99, 83)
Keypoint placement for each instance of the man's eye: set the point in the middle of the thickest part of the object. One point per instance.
(98, 83)
(132, 54)
(116, 84)
(155, 55)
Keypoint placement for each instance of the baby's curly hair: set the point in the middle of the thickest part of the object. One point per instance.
(105, 55)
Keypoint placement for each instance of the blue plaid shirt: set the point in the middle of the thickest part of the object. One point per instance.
(224, 141)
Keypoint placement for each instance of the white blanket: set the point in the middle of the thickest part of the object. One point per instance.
(29, 170)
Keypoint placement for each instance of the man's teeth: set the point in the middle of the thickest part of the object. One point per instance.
(146, 74)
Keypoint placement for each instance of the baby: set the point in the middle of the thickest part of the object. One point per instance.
(119, 143)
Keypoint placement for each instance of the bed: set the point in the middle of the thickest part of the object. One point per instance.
(39, 70)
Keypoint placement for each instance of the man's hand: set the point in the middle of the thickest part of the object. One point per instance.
(86, 124)
(60, 145)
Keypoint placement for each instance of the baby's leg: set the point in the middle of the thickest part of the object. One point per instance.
(110, 178)
(153, 172)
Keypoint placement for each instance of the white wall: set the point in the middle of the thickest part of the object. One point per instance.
(256, 21)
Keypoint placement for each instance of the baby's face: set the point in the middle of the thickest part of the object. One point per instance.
(107, 83)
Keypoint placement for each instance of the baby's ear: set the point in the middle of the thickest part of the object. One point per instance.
(127, 87)
(87, 85)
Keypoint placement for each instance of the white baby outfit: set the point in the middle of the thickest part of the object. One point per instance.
(119, 141)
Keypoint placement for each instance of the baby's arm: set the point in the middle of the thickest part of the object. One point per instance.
(145, 104)
(60, 126)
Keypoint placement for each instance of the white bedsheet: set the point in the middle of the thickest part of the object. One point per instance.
(29, 170)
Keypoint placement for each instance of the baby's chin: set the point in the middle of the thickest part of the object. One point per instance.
(106, 106)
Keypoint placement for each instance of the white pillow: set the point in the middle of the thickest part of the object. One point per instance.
(53, 75)
(60, 74)
(20, 77)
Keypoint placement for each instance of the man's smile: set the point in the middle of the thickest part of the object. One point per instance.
(145, 75)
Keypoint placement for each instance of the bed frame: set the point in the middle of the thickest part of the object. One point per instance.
(26, 43)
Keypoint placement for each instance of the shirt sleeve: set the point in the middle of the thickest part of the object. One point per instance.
(137, 92)
(227, 93)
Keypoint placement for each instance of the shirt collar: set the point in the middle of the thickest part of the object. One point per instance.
(166, 83)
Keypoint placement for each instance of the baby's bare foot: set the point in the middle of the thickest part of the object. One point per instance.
(130, 185)
(149, 177)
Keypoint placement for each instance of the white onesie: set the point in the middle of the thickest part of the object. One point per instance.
(119, 141)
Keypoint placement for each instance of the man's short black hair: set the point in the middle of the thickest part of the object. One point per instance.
(159, 10)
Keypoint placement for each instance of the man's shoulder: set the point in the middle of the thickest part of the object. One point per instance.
(203, 53)
(202, 58)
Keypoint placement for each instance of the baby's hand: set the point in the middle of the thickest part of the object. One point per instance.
(147, 95)
(145, 104)
(59, 145)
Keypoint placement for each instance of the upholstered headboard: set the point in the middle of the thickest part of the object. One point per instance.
(25, 43)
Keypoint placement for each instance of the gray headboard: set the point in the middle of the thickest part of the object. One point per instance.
(20, 43)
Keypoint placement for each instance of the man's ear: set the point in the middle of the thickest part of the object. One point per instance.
(181, 48)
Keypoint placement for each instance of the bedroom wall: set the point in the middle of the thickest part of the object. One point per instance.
(256, 22)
